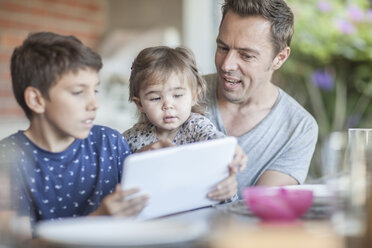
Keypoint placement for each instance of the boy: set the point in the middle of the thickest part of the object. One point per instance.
(63, 165)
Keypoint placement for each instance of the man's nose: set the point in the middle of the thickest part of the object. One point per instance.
(230, 61)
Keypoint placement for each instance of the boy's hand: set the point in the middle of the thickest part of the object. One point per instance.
(162, 143)
(239, 161)
(226, 189)
(116, 204)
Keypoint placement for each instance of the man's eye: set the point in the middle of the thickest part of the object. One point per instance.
(222, 48)
(246, 56)
(155, 99)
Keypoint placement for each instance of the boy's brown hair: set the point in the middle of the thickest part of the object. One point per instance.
(43, 58)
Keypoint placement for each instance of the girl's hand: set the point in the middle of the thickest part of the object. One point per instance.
(116, 203)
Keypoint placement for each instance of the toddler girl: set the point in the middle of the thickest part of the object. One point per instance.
(168, 91)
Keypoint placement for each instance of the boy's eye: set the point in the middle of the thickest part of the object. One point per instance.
(154, 98)
(96, 91)
(178, 95)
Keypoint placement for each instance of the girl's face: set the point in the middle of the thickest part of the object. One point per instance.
(167, 104)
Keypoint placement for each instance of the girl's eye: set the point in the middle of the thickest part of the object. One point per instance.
(155, 99)
(76, 93)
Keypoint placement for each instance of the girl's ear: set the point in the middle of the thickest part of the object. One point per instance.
(137, 101)
(34, 100)
(195, 96)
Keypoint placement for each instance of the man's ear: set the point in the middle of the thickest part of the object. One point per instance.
(281, 58)
(34, 100)
(137, 101)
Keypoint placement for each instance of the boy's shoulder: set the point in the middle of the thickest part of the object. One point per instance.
(11, 146)
(104, 131)
(105, 136)
(12, 140)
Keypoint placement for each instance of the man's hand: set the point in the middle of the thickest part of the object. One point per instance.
(116, 203)
(162, 143)
(225, 189)
(239, 161)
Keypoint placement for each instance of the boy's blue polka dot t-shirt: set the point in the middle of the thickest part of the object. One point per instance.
(66, 184)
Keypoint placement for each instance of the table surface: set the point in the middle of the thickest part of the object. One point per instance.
(228, 228)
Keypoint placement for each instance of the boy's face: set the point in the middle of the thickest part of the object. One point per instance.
(72, 104)
(167, 104)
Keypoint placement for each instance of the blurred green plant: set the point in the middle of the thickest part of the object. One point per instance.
(330, 67)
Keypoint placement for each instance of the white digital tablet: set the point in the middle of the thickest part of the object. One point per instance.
(178, 178)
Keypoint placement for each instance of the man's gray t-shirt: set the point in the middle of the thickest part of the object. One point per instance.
(283, 141)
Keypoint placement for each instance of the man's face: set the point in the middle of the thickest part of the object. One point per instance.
(244, 58)
(72, 104)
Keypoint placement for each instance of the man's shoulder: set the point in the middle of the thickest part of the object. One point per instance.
(294, 109)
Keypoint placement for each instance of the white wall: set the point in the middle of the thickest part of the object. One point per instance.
(200, 27)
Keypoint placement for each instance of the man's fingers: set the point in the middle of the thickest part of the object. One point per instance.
(239, 161)
(224, 190)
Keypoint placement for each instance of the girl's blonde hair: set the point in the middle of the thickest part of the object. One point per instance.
(156, 64)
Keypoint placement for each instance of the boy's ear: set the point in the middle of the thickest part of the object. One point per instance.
(137, 101)
(34, 100)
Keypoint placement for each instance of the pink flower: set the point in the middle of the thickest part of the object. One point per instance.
(324, 6)
(368, 15)
(323, 80)
(355, 13)
(345, 26)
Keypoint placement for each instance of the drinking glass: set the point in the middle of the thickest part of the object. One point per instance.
(347, 160)
(350, 219)
(336, 171)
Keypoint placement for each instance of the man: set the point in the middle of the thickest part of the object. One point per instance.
(277, 134)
